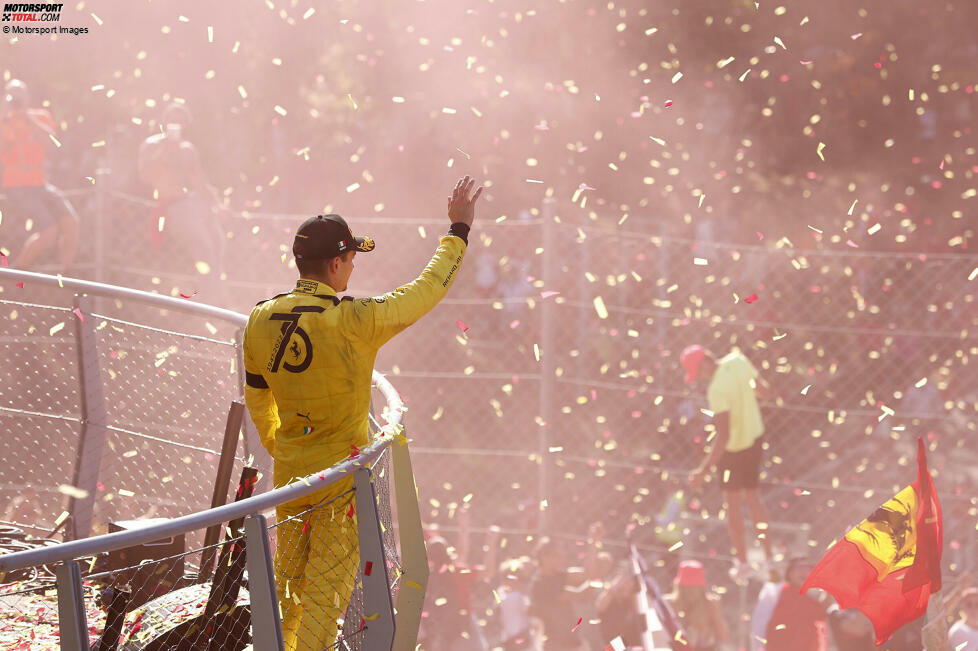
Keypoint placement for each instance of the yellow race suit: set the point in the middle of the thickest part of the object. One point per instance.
(309, 356)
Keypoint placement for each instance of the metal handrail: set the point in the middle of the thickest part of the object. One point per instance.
(112, 291)
(199, 520)
(209, 517)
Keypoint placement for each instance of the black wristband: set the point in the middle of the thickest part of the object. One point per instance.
(461, 230)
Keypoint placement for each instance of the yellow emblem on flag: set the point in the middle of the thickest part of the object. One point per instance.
(887, 539)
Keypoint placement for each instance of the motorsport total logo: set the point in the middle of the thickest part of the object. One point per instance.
(31, 13)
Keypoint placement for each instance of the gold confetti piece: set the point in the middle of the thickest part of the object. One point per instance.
(97, 19)
(910, 94)
(815, 229)
(280, 110)
(202, 267)
(854, 202)
(309, 12)
(804, 391)
(353, 102)
(126, 493)
(371, 618)
(700, 262)
(744, 76)
(973, 274)
(210, 328)
(352, 187)
(242, 92)
(56, 328)
(160, 223)
(821, 146)
(726, 476)
(780, 627)
(463, 153)
(422, 232)
(875, 228)
(651, 30)
(449, 111)
(61, 283)
(676, 77)
(723, 63)
(73, 491)
(676, 546)
(556, 448)
(54, 140)
(777, 39)
(600, 308)
(210, 34)
(921, 382)
(61, 518)
(658, 141)
(536, 351)
(438, 413)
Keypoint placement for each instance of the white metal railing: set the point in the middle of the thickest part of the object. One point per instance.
(266, 626)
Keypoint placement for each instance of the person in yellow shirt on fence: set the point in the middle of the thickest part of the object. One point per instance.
(309, 357)
(737, 447)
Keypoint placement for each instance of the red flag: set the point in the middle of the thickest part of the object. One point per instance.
(889, 564)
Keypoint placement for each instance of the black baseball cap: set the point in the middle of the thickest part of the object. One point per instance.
(327, 236)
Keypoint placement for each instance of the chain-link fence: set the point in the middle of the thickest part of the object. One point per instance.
(549, 396)
(554, 359)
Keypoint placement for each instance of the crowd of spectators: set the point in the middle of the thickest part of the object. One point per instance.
(828, 126)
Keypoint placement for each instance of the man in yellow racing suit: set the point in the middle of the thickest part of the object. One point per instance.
(309, 356)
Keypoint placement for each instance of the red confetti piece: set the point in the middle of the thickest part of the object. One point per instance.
(182, 295)
(513, 325)
(305, 526)
(368, 568)
(21, 285)
(751, 298)
(3, 259)
(355, 452)
(577, 625)
(79, 314)
(668, 103)
(462, 325)
(856, 35)
(349, 513)
(852, 244)
(760, 235)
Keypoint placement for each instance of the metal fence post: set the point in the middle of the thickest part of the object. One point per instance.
(548, 367)
(253, 448)
(93, 421)
(377, 607)
(71, 608)
(414, 557)
(102, 181)
(266, 625)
